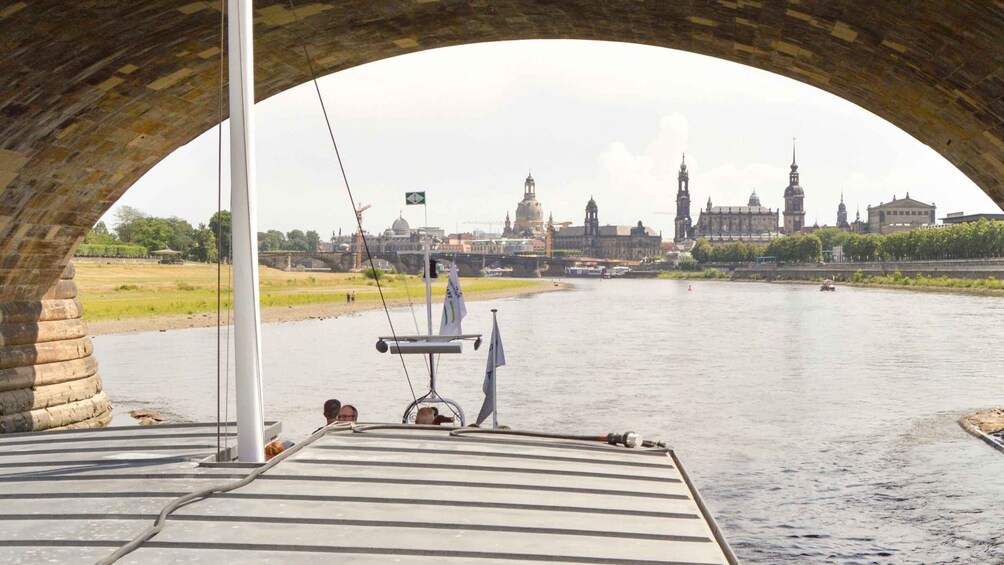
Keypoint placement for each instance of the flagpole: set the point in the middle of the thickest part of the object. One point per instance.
(495, 374)
(428, 290)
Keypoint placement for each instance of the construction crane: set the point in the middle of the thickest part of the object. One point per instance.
(359, 235)
(488, 223)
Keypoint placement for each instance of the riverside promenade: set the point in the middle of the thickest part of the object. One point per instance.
(951, 268)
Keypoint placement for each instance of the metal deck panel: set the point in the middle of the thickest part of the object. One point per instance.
(402, 495)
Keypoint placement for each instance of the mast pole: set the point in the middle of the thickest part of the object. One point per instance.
(243, 206)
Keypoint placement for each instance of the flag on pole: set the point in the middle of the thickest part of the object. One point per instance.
(496, 358)
(412, 198)
(454, 308)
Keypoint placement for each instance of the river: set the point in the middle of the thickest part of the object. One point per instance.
(819, 427)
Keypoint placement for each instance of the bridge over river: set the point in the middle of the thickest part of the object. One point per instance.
(469, 264)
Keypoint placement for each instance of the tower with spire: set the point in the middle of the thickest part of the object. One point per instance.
(794, 197)
(684, 227)
(529, 212)
(842, 214)
(507, 230)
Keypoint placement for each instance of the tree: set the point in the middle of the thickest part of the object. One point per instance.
(125, 221)
(220, 224)
(204, 248)
(272, 240)
(100, 235)
(296, 241)
(702, 251)
(313, 241)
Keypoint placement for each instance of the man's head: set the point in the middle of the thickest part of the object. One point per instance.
(425, 416)
(348, 413)
(331, 408)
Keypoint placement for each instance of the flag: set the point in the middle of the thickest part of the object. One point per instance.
(454, 309)
(496, 358)
(411, 198)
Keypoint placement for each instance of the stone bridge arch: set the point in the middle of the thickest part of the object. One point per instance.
(95, 94)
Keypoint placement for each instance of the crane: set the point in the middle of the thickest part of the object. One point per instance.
(488, 223)
(359, 235)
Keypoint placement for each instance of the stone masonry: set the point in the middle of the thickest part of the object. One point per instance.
(94, 94)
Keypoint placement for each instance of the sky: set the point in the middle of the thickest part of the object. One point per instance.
(608, 120)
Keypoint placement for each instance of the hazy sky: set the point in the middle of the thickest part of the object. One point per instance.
(610, 120)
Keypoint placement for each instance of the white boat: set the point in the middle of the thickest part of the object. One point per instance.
(368, 494)
(497, 272)
(594, 272)
(619, 271)
(827, 285)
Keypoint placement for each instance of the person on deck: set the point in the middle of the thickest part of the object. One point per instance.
(426, 416)
(331, 408)
(348, 413)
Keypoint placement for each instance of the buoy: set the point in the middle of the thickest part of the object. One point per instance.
(690, 287)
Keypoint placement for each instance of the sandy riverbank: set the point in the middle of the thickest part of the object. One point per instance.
(280, 314)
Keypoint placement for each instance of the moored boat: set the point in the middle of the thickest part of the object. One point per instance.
(827, 285)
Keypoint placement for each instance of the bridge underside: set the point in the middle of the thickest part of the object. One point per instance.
(94, 94)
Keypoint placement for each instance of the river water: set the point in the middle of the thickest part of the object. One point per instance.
(820, 427)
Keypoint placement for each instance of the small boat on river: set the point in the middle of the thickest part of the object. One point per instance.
(827, 285)
(589, 272)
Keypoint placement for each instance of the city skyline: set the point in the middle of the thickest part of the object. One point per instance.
(588, 118)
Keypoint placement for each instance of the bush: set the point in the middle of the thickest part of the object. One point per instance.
(100, 250)
(373, 273)
(688, 264)
(182, 285)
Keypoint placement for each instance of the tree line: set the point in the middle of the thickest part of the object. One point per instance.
(137, 234)
(974, 240)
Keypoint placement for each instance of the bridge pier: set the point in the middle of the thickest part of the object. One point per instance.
(48, 376)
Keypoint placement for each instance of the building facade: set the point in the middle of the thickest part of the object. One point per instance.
(606, 242)
(683, 226)
(900, 215)
(725, 224)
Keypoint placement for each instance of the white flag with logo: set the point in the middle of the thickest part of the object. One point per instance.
(454, 308)
(496, 358)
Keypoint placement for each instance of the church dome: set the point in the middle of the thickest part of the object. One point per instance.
(400, 226)
(793, 190)
(754, 199)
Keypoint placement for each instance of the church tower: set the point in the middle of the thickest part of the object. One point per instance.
(842, 214)
(592, 219)
(794, 209)
(684, 229)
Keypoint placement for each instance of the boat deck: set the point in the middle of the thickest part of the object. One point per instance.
(376, 495)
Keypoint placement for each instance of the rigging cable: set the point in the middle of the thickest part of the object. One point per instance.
(219, 226)
(352, 200)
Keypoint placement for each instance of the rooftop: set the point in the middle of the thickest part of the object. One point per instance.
(376, 494)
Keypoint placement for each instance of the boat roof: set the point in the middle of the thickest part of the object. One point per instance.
(409, 494)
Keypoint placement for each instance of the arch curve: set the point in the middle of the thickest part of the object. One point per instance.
(96, 94)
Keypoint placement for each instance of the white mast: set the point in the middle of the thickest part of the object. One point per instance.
(244, 222)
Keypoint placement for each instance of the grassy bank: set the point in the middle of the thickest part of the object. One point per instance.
(694, 275)
(989, 285)
(111, 292)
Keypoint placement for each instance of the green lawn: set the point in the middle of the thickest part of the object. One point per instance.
(134, 291)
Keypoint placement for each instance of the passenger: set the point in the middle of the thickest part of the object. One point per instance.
(331, 408)
(348, 413)
(426, 416)
(440, 420)
(273, 449)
